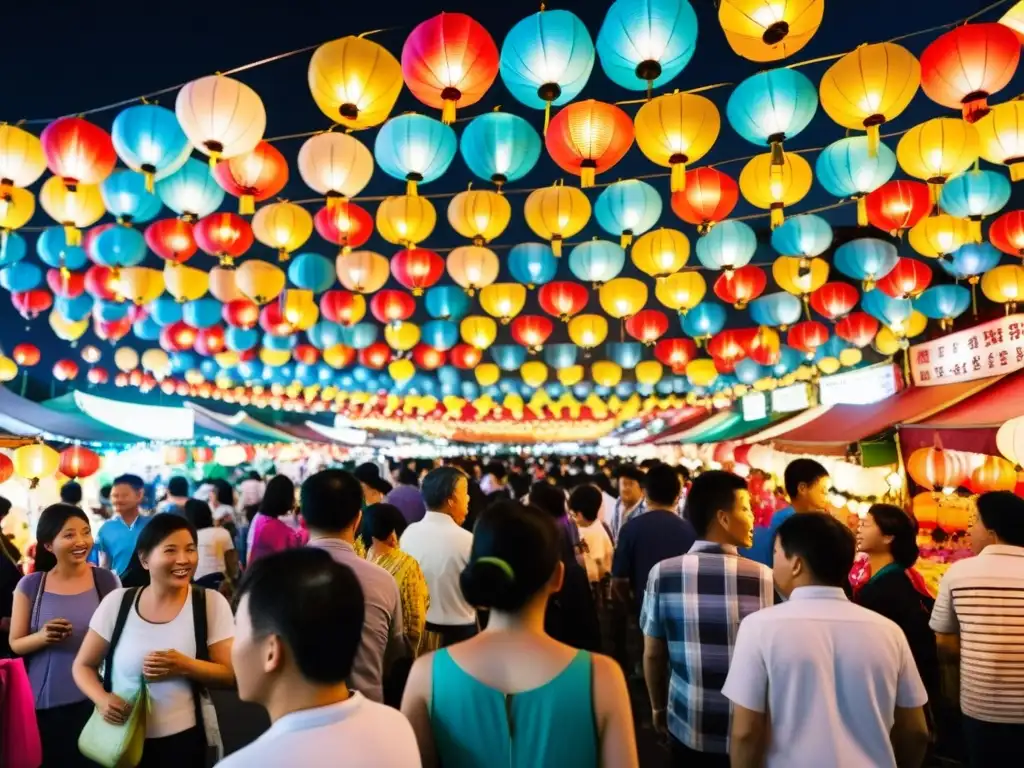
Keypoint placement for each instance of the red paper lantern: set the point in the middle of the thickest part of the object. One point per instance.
(935, 469)
(341, 356)
(78, 462)
(202, 455)
(449, 61)
(465, 357)
(102, 283)
(1007, 233)
(834, 300)
(647, 326)
(729, 347)
(392, 306)
(417, 269)
(532, 331)
(344, 223)
(375, 356)
(274, 322)
(675, 353)
(78, 151)
(121, 380)
(65, 370)
(89, 238)
(741, 454)
(177, 337)
(171, 240)
(31, 304)
(906, 280)
(253, 177)
(6, 468)
(67, 285)
(342, 307)
(427, 358)
(241, 313)
(741, 286)
(98, 375)
(26, 355)
(210, 341)
(588, 137)
(224, 235)
(114, 330)
(563, 299)
(807, 336)
(898, 205)
(963, 67)
(709, 197)
(306, 354)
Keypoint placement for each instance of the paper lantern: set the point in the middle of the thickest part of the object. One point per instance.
(975, 195)
(533, 373)
(478, 331)
(125, 196)
(741, 286)
(185, 283)
(355, 81)
(8, 369)
(282, 226)
(503, 300)
(500, 147)
(647, 326)
(778, 310)
(892, 312)
(532, 331)
(936, 469)
(335, 165)
(937, 149)
(72, 210)
(427, 358)
(807, 336)
(675, 353)
(848, 168)
(260, 281)
(221, 116)
(392, 306)
(446, 302)
(644, 44)
(769, 30)
(65, 370)
(157, 362)
(343, 307)
(556, 212)
(26, 355)
(944, 303)
(589, 137)
(34, 462)
(226, 236)
(906, 280)
(898, 205)
(729, 245)
(253, 176)
(472, 267)
(938, 236)
(141, 285)
(963, 67)
(402, 337)
(362, 271)
(1010, 441)
(675, 130)
(466, 357)
(622, 297)
(834, 300)
(406, 220)
(339, 356)
(858, 328)
(77, 151)
(312, 272)
(800, 277)
(628, 208)
(449, 60)
(1007, 233)
(69, 330)
(661, 253)
(1001, 136)
(994, 473)
(98, 376)
(416, 148)
(479, 215)
(704, 320)
(191, 191)
(1004, 285)
(149, 140)
(681, 291)
(532, 264)
(241, 313)
(487, 374)
(708, 197)
(729, 347)
(563, 299)
(767, 185)
(22, 161)
(417, 269)
(867, 259)
(596, 261)
(344, 223)
(16, 209)
(870, 86)
(171, 240)
(605, 373)
(701, 372)
(971, 260)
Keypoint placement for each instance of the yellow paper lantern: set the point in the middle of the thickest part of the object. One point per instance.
(587, 331)
(870, 86)
(800, 277)
(939, 235)
(67, 330)
(682, 291)
(362, 271)
(194, 377)
(661, 252)
(473, 267)
(773, 187)
(338, 356)
(701, 372)
(850, 357)
(829, 365)
(649, 372)
(282, 226)
(222, 285)
(533, 373)
(937, 149)
(187, 283)
(16, 207)
(141, 284)
(480, 215)
(8, 369)
(21, 158)
(72, 210)
(228, 359)
(274, 357)
(622, 297)
(1001, 137)
(675, 130)
(34, 462)
(487, 374)
(478, 331)
(556, 213)
(157, 362)
(260, 281)
(221, 116)
(406, 219)
(769, 30)
(503, 300)
(1004, 285)
(571, 376)
(299, 309)
(402, 336)
(355, 81)
(335, 165)
(913, 326)
(606, 373)
(401, 370)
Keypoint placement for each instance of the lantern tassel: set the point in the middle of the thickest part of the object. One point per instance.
(214, 159)
(777, 215)
(862, 211)
(72, 235)
(974, 229)
(1017, 170)
(410, 188)
(874, 139)
(448, 111)
(974, 296)
(246, 205)
(778, 159)
(626, 239)
(547, 117)
(587, 176)
(556, 245)
(678, 177)
(148, 177)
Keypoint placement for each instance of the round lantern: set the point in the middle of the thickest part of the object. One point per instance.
(77, 151)
(676, 129)
(936, 469)
(503, 300)
(533, 373)
(34, 462)
(417, 269)
(1010, 441)
(98, 376)
(226, 236)
(446, 302)
(312, 272)
(406, 220)
(556, 212)
(532, 264)
(867, 259)
(605, 373)
(898, 205)
(1007, 233)
(65, 370)
(682, 291)
(532, 331)
(344, 223)
(906, 280)
(22, 161)
(597, 261)
(1001, 135)
(478, 331)
(26, 355)
(392, 306)
(191, 191)
(223, 286)
(944, 303)
(427, 358)
(141, 285)
(834, 300)
(769, 30)
(858, 328)
(848, 168)
(415, 148)
(994, 474)
(622, 297)
(402, 337)
(335, 165)
(937, 149)
(704, 321)
(221, 116)
(563, 299)
(646, 43)
(675, 353)
(741, 286)
(171, 240)
(8, 369)
(260, 281)
(766, 184)
(1004, 285)
(355, 81)
(185, 283)
(776, 310)
(125, 196)
(283, 226)
(800, 277)
(938, 236)
(465, 357)
(254, 176)
(807, 336)
(479, 215)
(68, 330)
(661, 253)
(729, 245)
(708, 197)
(589, 137)
(628, 208)
(72, 210)
(975, 195)
(362, 271)
(343, 307)
(647, 326)
(472, 267)
(149, 140)
(701, 372)
(971, 260)
(500, 147)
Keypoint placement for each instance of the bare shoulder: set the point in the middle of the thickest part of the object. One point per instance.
(608, 677)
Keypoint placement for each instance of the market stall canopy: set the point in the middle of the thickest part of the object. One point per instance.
(676, 420)
(254, 431)
(59, 419)
(780, 428)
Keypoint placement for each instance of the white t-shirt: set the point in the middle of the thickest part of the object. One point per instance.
(171, 707)
(598, 559)
(357, 733)
(213, 543)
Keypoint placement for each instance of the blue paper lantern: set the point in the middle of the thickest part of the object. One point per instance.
(449, 376)
(148, 139)
(118, 246)
(279, 343)
(76, 309)
(867, 259)
(561, 356)
(885, 309)
(805, 236)
(209, 369)
(165, 310)
(415, 148)
(359, 336)
(532, 264)
(324, 334)
(442, 335)
(249, 371)
(126, 198)
(625, 354)
(12, 248)
(704, 320)
(729, 245)
(470, 390)
(146, 329)
(21, 276)
(182, 361)
(241, 339)
(597, 261)
(509, 357)
(446, 302)
(769, 107)
(324, 373)
(628, 208)
(789, 360)
(191, 190)
(777, 310)
(311, 272)
(849, 168)
(747, 371)
(500, 147)
(110, 311)
(54, 251)
(943, 302)
(644, 44)
(202, 313)
(306, 375)
(974, 195)
(970, 260)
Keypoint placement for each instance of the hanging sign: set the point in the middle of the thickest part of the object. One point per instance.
(863, 387)
(795, 397)
(755, 406)
(989, 349)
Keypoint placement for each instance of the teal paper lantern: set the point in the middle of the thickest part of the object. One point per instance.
(561, 356)
(165, 310)
(747, 371)
(944, 303)
(442, 335)
(729, 245)
(311, 272)
(789, 360)
(704, 320)
(53, 250)
(849, 168)
(971, 260)
(75, 310)
(778, 310)
(149, 140)
(12, 248)
(885, 309)
(119, 246)
(126, 198)
(769, 107)
(627, 209)
(146, 329)
(509, 357)
(110, 311)
(446, 302)
(532, 264)
(500, 147)
(805, 236)
(359, 336)
(202, 313)
(597, 261)
(324, 334)
(241, 339)
(191, 191)
(867, 259)
(644, 44)
(625, 354)
(975, 195)
(21, 276)
(415, 148)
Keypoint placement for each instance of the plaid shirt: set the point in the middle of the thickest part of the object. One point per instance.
(695, 603)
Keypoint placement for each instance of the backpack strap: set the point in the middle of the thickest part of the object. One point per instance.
(202, 649)
(128, 599)
(37, 603)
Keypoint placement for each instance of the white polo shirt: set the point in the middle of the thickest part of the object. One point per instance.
(442, 549)
(982, 600)
(830, 675)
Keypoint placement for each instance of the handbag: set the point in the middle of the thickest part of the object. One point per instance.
(20, 746)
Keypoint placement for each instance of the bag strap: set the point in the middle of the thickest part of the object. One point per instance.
(37, 603)
(131, 597)
(202, 649)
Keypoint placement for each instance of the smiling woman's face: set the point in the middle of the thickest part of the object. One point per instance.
(74, 541)
(173, 561)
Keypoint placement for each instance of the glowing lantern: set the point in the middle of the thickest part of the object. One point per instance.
(223, 286)
(807, 336)
(149, 140)
(261, 281)
(241, 313)
(622, 297)
(446, 302)
(944, 303)
(675, 353)
(661, 253)
(487, 374)
(858, 328)
(500, 147)
(867, 259)
(571, 376)
(800, 277)
(741, 286)
(171, 240)
(1004, 285)
(449, 60)
(936, 469)
(478, 331)
(254, 176)
(937, 149)
(68, 330)
(185, 283)
(729, 347)
(704, 321)
(994, 473)
(682, 291)
(779, 310)
(729, 245)
(646, 43)
(312, 272)
(597, 261)
(479, 215)
(221, 116)
(362, 271)
(628, 208)
(767, 185)
(98, 376)
(963, 67)
(191, 191)
(556, 212)
(769, 30)
(563, 299)
(402, 337)
(335, 165)
(401, 370)
(605, 373)
(532, 264)
(898, 205)
(938, 236)
(124, 194)
(906, 280)
(345, 224)
(764, 347)
(26, 355)
(503, 300)
(355, 81)
(8, 369)
(22, 161)
(157, 362)
(847, 168)
(870, 86)
(282, 226)
(805, 236)
(415, 148)
(647, 326)
(65, 370)
(532, 331)
(701, 372)
(72, 210)
(975, 195)
(465, 357)
(892, 312)
(428, 358)
(708, 197)
(141, 284)
(533, 373)
(1001, 133)
(417, 269)
(472, 267)
(226, 236)
(1010, 441)
(676, 129)
(406, 220)
(77, 151)
(392, 306)
(375, 356)
(1007, 233)
(343, 307)
(589, 137)
(339, 356)
(34, 462)
(834, 300)
(16, 209)
(971, 260)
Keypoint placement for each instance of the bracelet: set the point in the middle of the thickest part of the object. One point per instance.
(655, 712)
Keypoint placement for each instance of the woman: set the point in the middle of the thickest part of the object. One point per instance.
(222, 501)
(512, 695)
(218, 560)
(158, 644)
(52, 609)
(268, 532)
(10, 575)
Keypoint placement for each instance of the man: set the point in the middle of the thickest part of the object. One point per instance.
(807, 484)
(979, 621)
(585, 505)
(116, 538)
(442, 547)
(818, 681)
(495, 478)
(631, 498)
(297, 634)
(71, 493)
(407, 496)
(691, 612)
(375, 487)
(331, 503)
(177, 496)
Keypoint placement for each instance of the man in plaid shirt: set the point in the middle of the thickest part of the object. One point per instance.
(691, 613)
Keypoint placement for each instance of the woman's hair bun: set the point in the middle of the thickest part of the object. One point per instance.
(489, 582)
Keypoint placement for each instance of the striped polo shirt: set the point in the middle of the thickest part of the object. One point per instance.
(982, 600)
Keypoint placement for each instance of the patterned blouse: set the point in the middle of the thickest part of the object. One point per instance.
(413, 588)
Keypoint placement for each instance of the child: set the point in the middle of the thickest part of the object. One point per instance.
(585, 505)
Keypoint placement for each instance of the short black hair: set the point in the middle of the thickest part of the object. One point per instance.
(225, 493)
(587, 501)
(662, 485)
(630, 471)
(385, 519)
(71, 493)
(133, 481)
(366, 472)
(893, 521)
(331, 500)
(549, 498)
(51, 521)
(1002, 512)
(825, 545)
(314, 604)
(178, 486)
(683, 472)
(712, 492)
(159, 528)
(198, 513)
(279, 497)
(805, 471)
(408, 476)
(496, 468)
(439, 485)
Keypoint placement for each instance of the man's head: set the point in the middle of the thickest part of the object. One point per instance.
(662, 486)
(718, 506)
(1000, 520)
(375, 488)
(299, 623)
(177, 487)
(585, 504)
(408, 476)
(71, 493)
(813, 550)
(446, 490)
(126, 494)
(631, 484)
(331, 501)
(808, 484)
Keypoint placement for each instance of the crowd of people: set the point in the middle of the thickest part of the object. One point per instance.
(469, 614)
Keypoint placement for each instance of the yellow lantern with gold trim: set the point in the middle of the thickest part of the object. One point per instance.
(283, 226)
(479, 214)
(274, 357)
(35, 462)
(1001, 137)
(769, 30)
(478, 331)
(72, 210)
(401, 370)
(141, 285)
(661, 252)
(186, 283)
(587, 331)
(487, 374)
(473, 267)
(402, 336)
(622, 297)
(939, 235)
(556, 213)
(677, 129)
(533, 373)
(17, 207)
(22, 161)
(406, 219)
(800, 276)
(571, 376)
(503, 300)
(362, 271)
(649, 372)
(768, 186)
(1004, 285)
(682, 291)
(261, 281)
(605, 373)
(937, 149)
(355, 81)
(701, 372)
(338, 356)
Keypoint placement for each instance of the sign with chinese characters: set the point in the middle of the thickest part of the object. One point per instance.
(795, 397)
(989, 349)
(755, 406)
(863, 387)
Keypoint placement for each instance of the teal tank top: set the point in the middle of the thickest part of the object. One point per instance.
(551, 726)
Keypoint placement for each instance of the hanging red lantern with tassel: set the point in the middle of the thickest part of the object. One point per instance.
(1007, 233)
(417, 269)
(171, 240)
(898, 205)
(834, 300)
(77, 151)
(709, 197)
(588, 137)
(532, 331)
(77, 462)
(226, 236)
(675, 353)
(344, 223)
(906, 280)
(647, 326)
(741, 286)
(807, 336)
(253, 177)
(563, 299)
